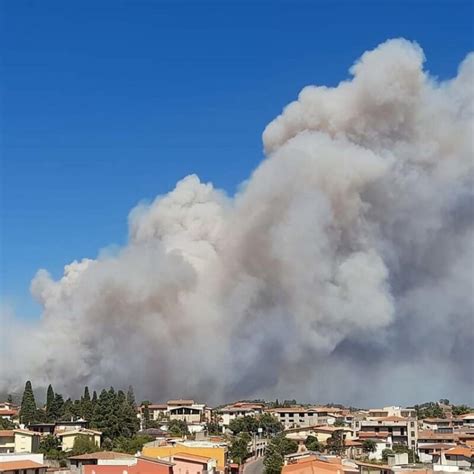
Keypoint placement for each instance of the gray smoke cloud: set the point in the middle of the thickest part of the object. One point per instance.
(342, 270)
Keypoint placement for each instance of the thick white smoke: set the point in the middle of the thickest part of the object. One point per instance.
(343, 269)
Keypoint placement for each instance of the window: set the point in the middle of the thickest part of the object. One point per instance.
(412, 433)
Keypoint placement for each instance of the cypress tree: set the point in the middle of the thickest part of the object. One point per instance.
(28, 405)
(49, 402)
(131, 396)
(86, 405)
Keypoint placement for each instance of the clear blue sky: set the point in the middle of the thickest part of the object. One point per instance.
(106, 103)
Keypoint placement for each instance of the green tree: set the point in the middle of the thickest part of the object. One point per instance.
(86, 405)
(6, 424)
(276, 450)
(312, 444)
(385, 454)
(369, 446)
(403, 448)
(335, 444)
(49, 401)
(28, 405)
(238, 450)
(50, 446)
(57, 407)
(213, 428)
(269, 423)
(459, 410)
(131, 397)
(178, 428)
(339, 422)
(146, 415)
(244, 424)
(131, 445)
(10, 398)
(83, 444)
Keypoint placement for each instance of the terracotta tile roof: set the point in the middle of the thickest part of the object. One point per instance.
(460, 451)
(158, 406)
(78, 432)
(155, 460)
(102, 455)
(180, 402)
(390, 418)
(7, 433)
(5, 412)
(27, 432)
(19, 465)
(192, 457)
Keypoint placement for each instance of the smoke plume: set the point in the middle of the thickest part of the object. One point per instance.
(342, 270)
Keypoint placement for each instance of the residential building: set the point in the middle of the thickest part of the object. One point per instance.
(293, 417)
(186, 410)
(237, 410)
(318, 464)
(185, 463)
(141, 465)
(22, 467)
(18, 441)
(209, 449)
(68, 437)
(460, 456)
(400, 430)
(102, 458)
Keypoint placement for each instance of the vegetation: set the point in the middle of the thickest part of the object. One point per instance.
(131, 445)
(461, 410)
(403, 448)
(278, 447)
(28, 411)
(312, 444)
(178, 428)
(251, 424)
(385, 454)
(6, 424)
(238, 450)
(82, 445)
(335, 444)
(369, 446)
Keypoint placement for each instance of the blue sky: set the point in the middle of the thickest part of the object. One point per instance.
(107, 103)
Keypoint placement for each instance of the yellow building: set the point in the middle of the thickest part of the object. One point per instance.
(68, 437)
(18, 441)
(208, 449)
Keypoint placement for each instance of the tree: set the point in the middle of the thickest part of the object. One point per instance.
(312, 444)
(10, 398)
(131, 397)
(178, 428)
(6, 424)
(335, 443)
(28, 405)
(146, 415)
(83, 444)
(459, 410)
(276, 450)
(131, 445)
(213, 428)
(385, 454)
(50, 446)
(369, 446)
(244, 424)
(49, 402)
(86, 405)
(403, 448)
(57, 407)
(238, 450)
(339, 422)
(269, 423)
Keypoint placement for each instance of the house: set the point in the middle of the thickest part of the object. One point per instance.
(18, 441)
(185, 410)
(427, 453)
(318, 464)
(400, 430)
(22, 467)
(43, 428)
(322, 433)
(460, 456)
(141, 465)
(292, 417)
(71, 425)
(237, 410)
(102, 458)
(208, 449)
(185, 463)
(68, 437)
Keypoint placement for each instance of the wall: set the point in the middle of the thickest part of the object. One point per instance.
(187, 467)
(217, 453)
